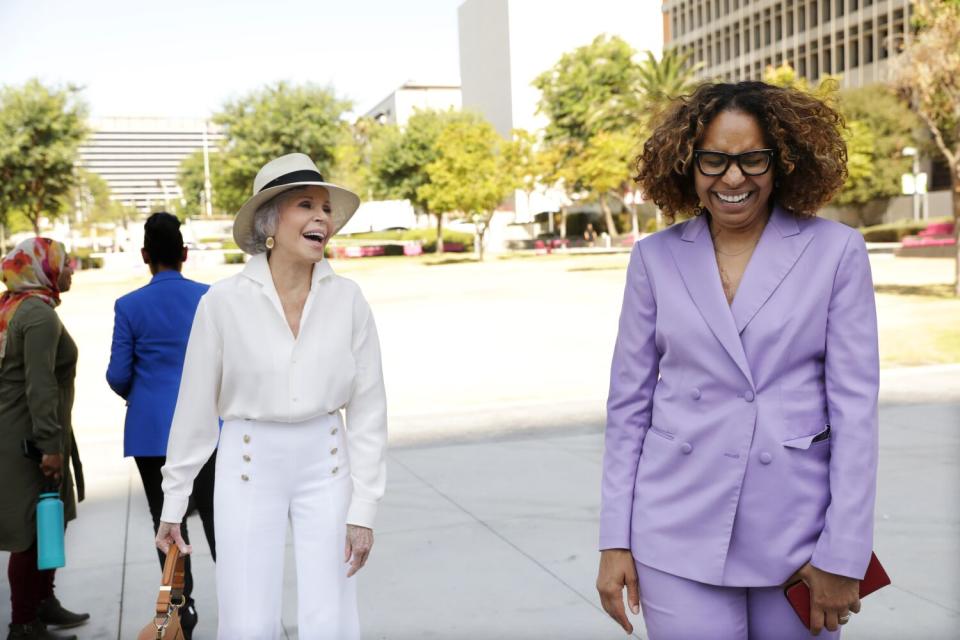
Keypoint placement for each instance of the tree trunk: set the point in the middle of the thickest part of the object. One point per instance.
(955, 193)
(608, 216)
(35, 219)
(439, 233)
(480, 246)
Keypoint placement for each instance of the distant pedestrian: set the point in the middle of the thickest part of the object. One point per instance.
(741, 440)
(150, 332)
(590, 235)
(38, 364)
(279, 350)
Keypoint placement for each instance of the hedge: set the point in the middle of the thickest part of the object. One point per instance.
(85, 259)
(897, 231)
(426, 237)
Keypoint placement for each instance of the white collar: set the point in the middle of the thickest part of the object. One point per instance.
(258, 270)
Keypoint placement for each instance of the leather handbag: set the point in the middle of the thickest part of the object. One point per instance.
(166, 622)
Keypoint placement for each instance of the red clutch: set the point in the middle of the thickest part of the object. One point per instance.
(798, 594)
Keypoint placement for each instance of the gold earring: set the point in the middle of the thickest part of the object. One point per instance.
(270, 242)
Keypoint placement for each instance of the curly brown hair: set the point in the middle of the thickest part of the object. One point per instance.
(810, 153)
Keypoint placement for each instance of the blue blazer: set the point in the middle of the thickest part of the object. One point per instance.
(150, 333)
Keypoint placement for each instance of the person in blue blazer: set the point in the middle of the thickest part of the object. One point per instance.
(150, 333)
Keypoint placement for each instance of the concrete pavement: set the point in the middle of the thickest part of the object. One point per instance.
(494, 536)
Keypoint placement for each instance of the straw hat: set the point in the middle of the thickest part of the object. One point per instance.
(281, 174)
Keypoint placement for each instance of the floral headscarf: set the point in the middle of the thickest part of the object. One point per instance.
(32, 269)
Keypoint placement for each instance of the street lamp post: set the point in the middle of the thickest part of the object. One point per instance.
(479, 230)
(207, 184)
(912, 152)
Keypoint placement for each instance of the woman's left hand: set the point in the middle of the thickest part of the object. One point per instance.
(50, 465)
(359, 543)
(832, 598)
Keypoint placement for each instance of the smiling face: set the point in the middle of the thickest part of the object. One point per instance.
(305, 224)
(735, 200)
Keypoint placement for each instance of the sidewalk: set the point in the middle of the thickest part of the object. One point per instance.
(494, 536)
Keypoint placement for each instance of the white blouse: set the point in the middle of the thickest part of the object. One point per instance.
(243, 362)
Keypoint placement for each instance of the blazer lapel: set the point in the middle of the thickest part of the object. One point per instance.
(697, 263)
(779, 248)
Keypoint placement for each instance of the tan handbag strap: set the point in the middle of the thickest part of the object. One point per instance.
(171, 585)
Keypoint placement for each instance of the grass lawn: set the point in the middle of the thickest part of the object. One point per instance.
(918, 315)
(920, 327)
(919, 318)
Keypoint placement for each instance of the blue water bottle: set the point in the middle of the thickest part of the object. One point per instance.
(50, 553)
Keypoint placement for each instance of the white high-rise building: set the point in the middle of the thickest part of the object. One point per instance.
(397, 107)
(739, 40)
(506, 44)
(139, 158)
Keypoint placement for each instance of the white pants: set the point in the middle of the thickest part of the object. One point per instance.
(268, 473)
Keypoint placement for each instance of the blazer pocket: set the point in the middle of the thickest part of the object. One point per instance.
(804, 442)
(661, 433)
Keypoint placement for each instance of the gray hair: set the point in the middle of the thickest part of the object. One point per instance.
(266, 219)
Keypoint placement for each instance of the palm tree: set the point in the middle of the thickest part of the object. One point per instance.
(660, 81)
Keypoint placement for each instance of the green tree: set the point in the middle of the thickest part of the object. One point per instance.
(271, 122)
(599, 101)
(393, 164)
(784, 76)
(90, 198)
(603, 168)
(929, 76)
(353, 156)
(191, 180)
(41, 129)
(661, 81)
(861, 185)
(591, 89)
(593, 97)
(470, 175)
(525, 160)
(875, 115)
(399, 159)
(877, 128)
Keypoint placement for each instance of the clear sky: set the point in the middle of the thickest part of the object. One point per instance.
(185, 58)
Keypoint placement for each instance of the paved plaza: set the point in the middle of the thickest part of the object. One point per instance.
(496, 376)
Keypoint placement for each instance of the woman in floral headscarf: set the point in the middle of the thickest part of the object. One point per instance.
(38, 362)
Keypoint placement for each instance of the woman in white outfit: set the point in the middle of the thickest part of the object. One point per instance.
(278, 351)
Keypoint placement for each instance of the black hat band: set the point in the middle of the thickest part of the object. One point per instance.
(304, 175)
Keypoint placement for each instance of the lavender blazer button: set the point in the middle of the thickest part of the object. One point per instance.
(748, 396)
(686, 447)
(695, 393)
(766, 458)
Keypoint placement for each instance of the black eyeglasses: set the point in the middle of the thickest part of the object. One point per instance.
(716, 163)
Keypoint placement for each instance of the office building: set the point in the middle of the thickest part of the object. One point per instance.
(506, 44)
(737, 39)
(139, 157)
(855, 39)
(397, 107)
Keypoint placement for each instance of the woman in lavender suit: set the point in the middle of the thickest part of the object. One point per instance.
(741, 441)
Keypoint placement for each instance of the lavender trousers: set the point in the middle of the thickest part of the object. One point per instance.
(675, 608)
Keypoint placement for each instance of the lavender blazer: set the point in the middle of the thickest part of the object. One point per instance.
(712, 468)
